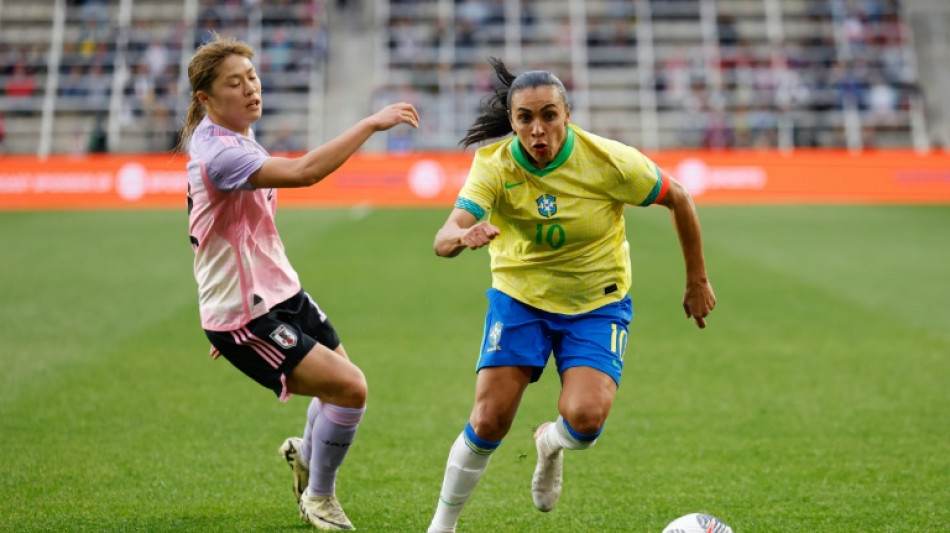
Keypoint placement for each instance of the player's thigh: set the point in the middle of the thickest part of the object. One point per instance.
(587, 395)
(590, 360)
(498, 392)
(327, 374)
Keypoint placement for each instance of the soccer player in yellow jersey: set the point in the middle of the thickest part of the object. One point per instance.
(549, 203)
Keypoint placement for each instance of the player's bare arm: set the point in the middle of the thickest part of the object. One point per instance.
(699, 299)
(460, 231)
(312, 167)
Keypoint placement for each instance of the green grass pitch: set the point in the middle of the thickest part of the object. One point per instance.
(817, 400)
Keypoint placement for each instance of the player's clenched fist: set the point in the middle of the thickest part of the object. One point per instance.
(479, 235)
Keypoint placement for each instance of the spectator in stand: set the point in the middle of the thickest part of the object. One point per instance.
(20, 88)
(139, 37)
(161, 127)
(404, 44)
(95, 10)
(476, 12)
(881, 100)
(156, 58)
(90, 35)
(279, 12)
(73, 85)
(97, 88)
(278, 51)
(142, 89)
(98, 142)
(717, 134)
(22, 83)
(8, 58)
(727, 31)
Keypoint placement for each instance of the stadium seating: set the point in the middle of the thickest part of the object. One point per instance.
(109, 75)
(672, 73)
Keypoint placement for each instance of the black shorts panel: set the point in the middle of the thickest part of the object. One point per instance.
(269, 347)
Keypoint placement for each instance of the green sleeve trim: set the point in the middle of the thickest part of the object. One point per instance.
(471, 207)
(657, 187)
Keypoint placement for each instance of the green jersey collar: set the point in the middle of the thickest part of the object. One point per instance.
(562, 156)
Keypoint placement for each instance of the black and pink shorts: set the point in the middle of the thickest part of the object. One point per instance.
(269, 347)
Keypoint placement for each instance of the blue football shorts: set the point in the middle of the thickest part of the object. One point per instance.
(517, 334)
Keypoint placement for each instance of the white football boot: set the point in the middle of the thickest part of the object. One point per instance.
(548, 474)
(290, 450)
(324, 512)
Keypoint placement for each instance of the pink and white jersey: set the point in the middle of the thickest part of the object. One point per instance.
(240, 264)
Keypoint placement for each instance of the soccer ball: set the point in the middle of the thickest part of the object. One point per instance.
(697, 523)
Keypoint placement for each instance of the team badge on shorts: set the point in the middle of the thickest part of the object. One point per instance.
(284, 336)
(547, 205)
(494, 337)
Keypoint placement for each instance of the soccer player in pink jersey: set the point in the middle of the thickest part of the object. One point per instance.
(251, 303)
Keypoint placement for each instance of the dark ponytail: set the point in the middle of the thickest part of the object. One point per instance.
(495, 121)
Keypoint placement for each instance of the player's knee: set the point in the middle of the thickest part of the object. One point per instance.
(588, 420)
(489, 424)
(347, 391)
(353, 391)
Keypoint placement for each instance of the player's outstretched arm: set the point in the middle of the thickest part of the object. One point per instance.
(699, 299)
(318, 163)
(460, 231)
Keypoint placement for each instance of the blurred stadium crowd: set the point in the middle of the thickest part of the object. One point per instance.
(81, 76)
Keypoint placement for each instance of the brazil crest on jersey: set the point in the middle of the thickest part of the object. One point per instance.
(563, 245)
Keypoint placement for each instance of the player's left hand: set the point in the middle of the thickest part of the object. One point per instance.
(699, 301)
(394, 114)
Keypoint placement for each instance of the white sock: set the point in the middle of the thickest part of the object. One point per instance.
(462, 472)
(556, 437)
(331, 436)
(306, 448)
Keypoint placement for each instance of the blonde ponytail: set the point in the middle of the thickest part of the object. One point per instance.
(196, 112)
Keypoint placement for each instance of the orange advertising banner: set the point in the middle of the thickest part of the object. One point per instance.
(434, 178)
(811, 177)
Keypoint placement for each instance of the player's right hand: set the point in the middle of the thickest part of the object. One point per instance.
(479, 235)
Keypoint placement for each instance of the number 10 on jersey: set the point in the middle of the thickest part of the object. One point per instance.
(554, 235)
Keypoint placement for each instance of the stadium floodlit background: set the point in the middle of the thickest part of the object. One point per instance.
(816, 400)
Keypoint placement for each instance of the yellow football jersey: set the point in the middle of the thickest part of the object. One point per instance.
(563, 244)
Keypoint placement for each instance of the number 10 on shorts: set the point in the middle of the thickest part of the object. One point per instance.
(618, 340)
